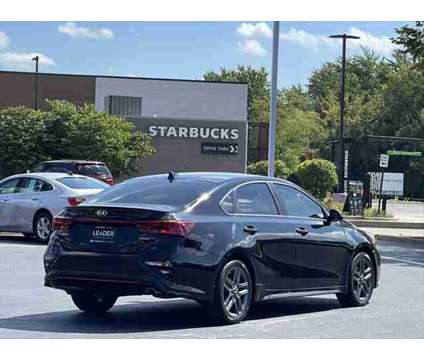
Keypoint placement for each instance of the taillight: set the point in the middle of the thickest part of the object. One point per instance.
(74, 201)
(166, 227)
(62, 224)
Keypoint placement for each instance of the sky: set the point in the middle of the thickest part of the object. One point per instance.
(183, 49)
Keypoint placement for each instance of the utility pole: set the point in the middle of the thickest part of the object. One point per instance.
(36, 59)
(343, 185)
(273, 103)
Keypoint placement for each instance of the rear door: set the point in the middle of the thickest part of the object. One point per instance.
(258, 217)
(322, 251)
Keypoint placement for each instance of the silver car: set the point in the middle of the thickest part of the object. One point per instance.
(28, 202)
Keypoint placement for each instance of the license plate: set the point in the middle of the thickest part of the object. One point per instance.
(103, 234)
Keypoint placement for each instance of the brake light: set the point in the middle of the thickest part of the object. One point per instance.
(109, 180)
(166, 227)
(62, 224)
(74, 201)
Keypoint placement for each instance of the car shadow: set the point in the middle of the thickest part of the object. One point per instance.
(20, 240)
(142, 316)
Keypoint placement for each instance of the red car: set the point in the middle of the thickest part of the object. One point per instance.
(94, 169)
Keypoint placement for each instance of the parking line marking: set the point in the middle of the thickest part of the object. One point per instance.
(401, 260)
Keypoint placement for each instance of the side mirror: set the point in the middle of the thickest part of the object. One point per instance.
(334, 215)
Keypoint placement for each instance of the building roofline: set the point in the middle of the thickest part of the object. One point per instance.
(122, 77)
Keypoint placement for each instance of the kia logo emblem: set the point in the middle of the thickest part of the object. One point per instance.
(101, 212)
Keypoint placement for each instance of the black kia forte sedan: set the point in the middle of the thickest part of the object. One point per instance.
(224, 240)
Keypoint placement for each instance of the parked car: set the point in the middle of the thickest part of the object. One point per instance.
(94, 169)
(28, 202)
(224, 240)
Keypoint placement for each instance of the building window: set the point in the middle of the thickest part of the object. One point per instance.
(128, 106)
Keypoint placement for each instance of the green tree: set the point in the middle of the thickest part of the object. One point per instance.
(66, 132)
(258, 87)
(318, 176)
(261, 168)
(412, 41)
(21, 134)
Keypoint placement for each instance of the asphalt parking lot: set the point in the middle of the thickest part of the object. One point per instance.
(29, 310)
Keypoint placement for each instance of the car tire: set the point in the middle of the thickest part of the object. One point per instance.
(93, 303)
(233, 293)
(360, 284)
(43, 226)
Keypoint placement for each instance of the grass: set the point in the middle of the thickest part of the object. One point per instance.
(372, 212)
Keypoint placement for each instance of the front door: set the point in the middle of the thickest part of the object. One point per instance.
(7, 190)
(322, 251)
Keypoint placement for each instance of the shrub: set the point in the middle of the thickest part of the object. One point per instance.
(68, 132)
(261, 168)
(318, 176)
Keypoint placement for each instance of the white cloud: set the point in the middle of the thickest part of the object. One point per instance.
(23, 61)
(4, 40)
(251, 30)
(306, 39)
(380, 44)
(73, 30)
(251, 47)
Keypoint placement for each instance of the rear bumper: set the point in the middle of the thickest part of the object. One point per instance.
(119, 274)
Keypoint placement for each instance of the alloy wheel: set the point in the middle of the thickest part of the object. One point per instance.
(43, 227)
(362, 278)
(235, 292)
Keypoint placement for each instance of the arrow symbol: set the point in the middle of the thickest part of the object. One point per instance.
(233, 149)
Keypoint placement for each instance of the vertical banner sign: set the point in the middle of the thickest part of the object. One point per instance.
(346, 171)
(384, 163)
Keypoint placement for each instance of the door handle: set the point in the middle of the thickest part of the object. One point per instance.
(250, 229)
(302, 231)
(35, 199)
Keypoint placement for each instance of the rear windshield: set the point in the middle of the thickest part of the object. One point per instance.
(76, 182)
(93, 169)
(155, 191)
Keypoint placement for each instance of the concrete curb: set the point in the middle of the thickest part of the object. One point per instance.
(411, 240)
(392, 224)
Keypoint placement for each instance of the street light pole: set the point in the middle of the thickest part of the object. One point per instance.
(36, 59)
(273, 104)
(342, 186)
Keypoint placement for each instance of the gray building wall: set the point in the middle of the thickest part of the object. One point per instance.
(184, 105)
(176, 99)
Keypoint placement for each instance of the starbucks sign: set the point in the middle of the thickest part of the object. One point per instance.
(193, 132)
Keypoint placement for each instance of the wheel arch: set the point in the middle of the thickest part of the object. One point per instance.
(38, 212)
(368, 249)
(241, 255)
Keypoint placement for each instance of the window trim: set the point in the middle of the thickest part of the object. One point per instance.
(249, 183)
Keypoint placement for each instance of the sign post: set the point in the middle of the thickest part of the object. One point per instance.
(384, 163)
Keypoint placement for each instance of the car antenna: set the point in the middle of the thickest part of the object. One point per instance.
(171, 176)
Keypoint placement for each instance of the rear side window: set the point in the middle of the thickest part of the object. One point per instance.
(295, 203)
(59, 168)
(35, 185)
(156, 191)
(76, 182)
(93, 169)
(251, 199)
